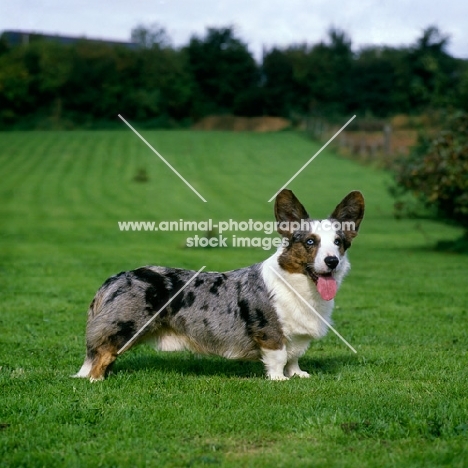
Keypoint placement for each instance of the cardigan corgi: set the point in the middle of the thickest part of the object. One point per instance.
(261, 312)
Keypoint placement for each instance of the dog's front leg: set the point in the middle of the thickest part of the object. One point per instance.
(275, 360)
(296, 348)
(292, 368)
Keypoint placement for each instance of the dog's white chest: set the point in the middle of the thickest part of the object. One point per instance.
(297, 302)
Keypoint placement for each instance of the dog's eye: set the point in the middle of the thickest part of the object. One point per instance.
(310, 242)
(337, 242)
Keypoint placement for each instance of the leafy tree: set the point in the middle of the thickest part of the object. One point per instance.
(222, 68)
(92, 81)
(15, 80)
(4, 47)
(461, 97)
(301, 76)
(100, 82)
(150, 36)
(436, 172)
(278, 82)
(330, 71)
(163, 79)
(32, 77)
(379, 81)
(432, 70)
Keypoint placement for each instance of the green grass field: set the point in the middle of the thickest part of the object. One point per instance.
(401, 401)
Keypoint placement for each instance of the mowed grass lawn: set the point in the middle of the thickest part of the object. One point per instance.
(401, 401)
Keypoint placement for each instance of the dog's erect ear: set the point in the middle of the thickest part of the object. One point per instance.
(288, 209)
(349, 213)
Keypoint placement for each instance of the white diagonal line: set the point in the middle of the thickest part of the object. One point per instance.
(313, 310)
(162, 159)
(313, 157)
(135, 336)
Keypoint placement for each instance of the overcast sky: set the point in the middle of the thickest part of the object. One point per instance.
(257, 22)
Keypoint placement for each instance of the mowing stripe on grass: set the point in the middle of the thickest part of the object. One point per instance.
(162, 159)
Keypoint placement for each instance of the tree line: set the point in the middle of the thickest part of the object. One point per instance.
(46, 84)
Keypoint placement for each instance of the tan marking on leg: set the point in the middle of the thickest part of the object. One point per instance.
(104, 358)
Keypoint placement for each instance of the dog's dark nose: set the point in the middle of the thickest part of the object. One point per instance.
(331, 262)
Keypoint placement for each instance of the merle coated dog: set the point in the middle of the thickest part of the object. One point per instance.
(261, 312)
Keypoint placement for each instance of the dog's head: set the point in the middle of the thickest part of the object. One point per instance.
(317, 248)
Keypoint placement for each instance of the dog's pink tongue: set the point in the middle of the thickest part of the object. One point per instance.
(327, 287)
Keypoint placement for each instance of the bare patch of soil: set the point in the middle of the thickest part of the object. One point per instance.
(242, 124)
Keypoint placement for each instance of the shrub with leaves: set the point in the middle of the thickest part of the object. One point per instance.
(436, 172)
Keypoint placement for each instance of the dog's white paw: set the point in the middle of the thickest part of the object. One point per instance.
(277, 377)
(296, 371)
(94, 379)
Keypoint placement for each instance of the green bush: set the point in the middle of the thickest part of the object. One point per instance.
(436, 173)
